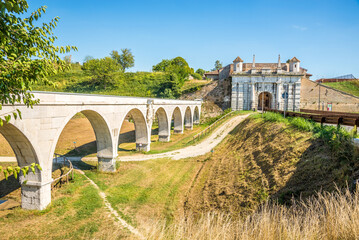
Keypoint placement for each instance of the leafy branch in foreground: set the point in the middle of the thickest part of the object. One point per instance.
(27, 54)
(16, 170)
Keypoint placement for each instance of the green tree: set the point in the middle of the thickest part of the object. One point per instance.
(27, 54)
(125, 59)
(178, 66)
(162, 66)
(196, 76)
(171, 88)
(217, 65)
(200, 71)
(102, 71)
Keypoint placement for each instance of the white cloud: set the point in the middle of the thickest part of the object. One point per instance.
(301, 28)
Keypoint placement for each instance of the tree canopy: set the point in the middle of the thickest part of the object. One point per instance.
(200, 71)
(217, 65)
(102, 70)
(177, 65)
(27, 54)
(125, 59)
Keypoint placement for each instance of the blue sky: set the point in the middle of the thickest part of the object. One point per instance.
(324, 35)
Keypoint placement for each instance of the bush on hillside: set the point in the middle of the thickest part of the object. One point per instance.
(102, 71)
(196, 76)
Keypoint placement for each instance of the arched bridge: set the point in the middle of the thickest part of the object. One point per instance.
(34, 137)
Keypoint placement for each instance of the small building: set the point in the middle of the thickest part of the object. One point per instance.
(213, 75)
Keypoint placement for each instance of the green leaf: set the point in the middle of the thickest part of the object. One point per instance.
(39, 167)
(10, 169)
(19, 112)
(6, 174)
(8, 118)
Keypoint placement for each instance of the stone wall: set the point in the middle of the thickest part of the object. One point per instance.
(341, 101)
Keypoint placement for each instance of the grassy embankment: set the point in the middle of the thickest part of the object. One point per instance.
(271, 159)
(76, 212)
(351, 87)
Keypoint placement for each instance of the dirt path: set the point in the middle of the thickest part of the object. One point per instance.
(195, 150)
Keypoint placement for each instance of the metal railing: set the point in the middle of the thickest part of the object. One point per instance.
(205, 131)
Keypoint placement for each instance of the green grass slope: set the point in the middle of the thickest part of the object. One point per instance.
(351, 87)
(139, 84)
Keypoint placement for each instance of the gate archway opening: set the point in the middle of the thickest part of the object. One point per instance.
(264, 100)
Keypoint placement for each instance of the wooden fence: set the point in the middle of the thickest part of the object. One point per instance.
(338, 118)
(65, 161)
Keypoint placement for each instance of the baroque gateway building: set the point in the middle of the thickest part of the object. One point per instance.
(268, 85)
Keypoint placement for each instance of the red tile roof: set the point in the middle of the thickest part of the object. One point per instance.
(294, 60)
(238, 59)
(215, 72)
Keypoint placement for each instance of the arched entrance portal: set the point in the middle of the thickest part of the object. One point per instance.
(265, 100)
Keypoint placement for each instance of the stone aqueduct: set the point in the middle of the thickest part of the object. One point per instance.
(34, 137)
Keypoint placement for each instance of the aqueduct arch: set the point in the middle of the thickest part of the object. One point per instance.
(177, 121)
(34, 137)
(164, 127)
(196, 115)
(142, 133)
(105, 147)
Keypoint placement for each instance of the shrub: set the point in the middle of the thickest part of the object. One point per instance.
(196, 76)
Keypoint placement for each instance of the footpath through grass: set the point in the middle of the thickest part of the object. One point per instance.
(148, 190)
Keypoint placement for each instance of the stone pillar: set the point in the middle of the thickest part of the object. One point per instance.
(178, 131)
(35, 194)
(106, 164)
(290, 97)
(144, 147)
(164, 138)
(252, 96)
(279, 95)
